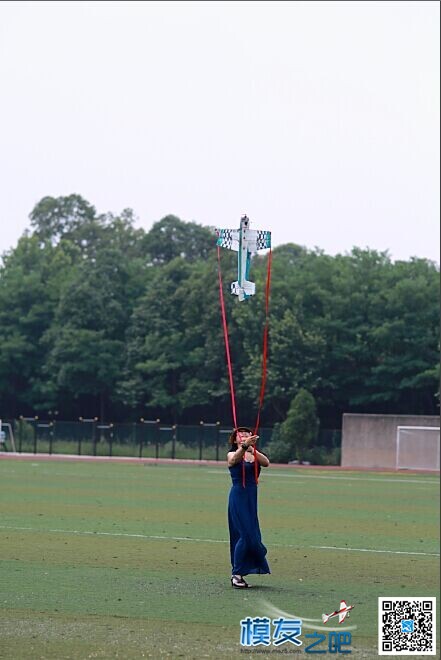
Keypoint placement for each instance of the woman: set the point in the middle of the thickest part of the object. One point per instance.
(246, 548)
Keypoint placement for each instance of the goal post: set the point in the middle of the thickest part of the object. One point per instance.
(417, 448)
(6, 434)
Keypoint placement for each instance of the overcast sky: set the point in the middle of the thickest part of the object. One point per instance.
(319, 120)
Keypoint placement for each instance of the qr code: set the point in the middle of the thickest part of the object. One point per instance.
(407, 626)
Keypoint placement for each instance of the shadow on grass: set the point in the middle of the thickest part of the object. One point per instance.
(267, 588)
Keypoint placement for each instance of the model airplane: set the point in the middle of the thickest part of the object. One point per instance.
(342, 613)
(245, 242)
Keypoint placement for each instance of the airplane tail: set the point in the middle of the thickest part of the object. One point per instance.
(325, 618)
(248, 289)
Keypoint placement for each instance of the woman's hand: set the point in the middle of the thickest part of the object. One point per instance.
(243, 445)
(250, 440)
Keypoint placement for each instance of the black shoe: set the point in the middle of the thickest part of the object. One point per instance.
(238, 582)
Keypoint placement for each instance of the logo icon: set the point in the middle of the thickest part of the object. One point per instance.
(407, 626)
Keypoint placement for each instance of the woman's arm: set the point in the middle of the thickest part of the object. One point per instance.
(234, 457)
(261, 458)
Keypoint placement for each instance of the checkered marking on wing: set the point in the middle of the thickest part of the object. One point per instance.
(263, 239)
(225, 238)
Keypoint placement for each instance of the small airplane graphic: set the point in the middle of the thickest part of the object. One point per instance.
(342, 613)
(245, 242)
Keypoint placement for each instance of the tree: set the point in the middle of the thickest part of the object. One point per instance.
(30, 281)
(156, 354)
(94, 312)
(171, 237)
(175, 350)
(86, 339)
(56, 217)
(298, 430)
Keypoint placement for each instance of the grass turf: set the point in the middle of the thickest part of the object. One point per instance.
(107, 560)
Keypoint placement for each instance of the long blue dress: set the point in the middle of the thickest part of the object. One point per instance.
(246, 548)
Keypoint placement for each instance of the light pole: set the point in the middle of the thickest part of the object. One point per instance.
(52, 415)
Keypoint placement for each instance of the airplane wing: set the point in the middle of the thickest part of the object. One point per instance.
(342, 615)
(258, 239)
(228, 238)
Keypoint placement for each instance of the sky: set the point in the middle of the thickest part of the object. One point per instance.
(319, 120)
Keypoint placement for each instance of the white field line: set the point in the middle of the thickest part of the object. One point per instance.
(196, 540)
(342, 478)
(393, 552)
(147, 462)
(430, 482)
(117, 534)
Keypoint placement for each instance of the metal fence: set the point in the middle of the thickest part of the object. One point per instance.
(144, 439)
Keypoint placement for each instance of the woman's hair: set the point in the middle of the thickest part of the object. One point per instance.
(233, 435)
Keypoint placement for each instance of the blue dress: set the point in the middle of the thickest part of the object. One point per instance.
(246, 548)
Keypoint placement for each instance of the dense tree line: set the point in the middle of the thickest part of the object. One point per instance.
(100, 318)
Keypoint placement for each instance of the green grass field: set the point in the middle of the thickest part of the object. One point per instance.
(113, 560)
